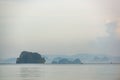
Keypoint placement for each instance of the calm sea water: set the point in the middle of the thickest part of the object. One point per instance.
(60, 72)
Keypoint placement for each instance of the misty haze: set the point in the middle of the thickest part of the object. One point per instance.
(59, 39)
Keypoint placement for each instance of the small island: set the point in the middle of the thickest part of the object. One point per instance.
(30, 57)
(66, 61)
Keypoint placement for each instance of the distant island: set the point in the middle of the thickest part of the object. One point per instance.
(66, 61)
(34, 57)
(84, 58)
(30, 57)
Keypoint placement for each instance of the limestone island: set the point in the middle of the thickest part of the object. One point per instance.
(66, 61)
(30, 57)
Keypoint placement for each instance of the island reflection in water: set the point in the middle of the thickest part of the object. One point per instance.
(30, 72)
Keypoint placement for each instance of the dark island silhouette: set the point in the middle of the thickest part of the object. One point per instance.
(66, 61)
(30, 57)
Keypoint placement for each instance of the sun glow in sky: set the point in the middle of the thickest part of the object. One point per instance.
(59, 26)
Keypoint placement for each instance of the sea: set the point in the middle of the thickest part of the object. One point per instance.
(59, 72)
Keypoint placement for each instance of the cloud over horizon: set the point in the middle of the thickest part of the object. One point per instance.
(111, 43)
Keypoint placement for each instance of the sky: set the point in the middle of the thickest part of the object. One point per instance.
(59, 27)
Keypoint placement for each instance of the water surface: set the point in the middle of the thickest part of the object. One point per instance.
(60, 72)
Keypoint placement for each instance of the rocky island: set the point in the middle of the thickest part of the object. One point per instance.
(30, 57)
(66, 61)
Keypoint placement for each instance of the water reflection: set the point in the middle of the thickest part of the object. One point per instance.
(31, 73)
(59, 72)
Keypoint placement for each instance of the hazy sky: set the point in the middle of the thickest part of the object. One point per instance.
(59, 27)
